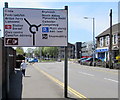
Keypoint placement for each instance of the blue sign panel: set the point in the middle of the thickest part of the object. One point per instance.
(45, 29)
(101, 50)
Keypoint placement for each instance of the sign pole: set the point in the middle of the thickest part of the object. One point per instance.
(7, 70)
(33, 39)
(66, 74)
(66, 68)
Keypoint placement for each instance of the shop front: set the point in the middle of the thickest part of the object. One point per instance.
(102, 53)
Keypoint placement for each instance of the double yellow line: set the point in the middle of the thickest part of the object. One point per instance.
(79, 95)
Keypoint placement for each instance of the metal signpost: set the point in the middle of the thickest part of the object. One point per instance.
(37, 27)
(7, 70)
(66, 67)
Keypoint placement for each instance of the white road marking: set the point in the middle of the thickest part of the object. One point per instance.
(111, 80)
(86, 74)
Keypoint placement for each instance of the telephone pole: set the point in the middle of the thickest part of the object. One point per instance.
(110, 44)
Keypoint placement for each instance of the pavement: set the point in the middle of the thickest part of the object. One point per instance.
(33, 85)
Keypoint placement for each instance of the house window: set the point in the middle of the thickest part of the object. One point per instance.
(115, 39)
(107, 40)
(101, 42)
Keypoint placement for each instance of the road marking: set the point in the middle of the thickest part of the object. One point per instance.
(79, 95)
(86, 74)
(98, 69)
(111, 80)
(106, 71)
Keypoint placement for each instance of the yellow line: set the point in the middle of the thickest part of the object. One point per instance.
(79, 95)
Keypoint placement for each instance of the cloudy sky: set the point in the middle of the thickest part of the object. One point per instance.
(80, 29)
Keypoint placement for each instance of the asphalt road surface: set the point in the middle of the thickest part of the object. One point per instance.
(87, 81)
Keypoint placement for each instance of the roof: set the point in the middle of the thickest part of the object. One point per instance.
(71, 44)
(107, 32)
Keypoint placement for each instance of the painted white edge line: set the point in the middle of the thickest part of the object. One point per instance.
(111, 80)
(86, 74)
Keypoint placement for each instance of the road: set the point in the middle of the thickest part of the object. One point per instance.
(85, 81)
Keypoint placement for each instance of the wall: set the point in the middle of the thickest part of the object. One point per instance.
(4, 74)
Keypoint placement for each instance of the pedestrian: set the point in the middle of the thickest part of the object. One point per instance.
(23, 67)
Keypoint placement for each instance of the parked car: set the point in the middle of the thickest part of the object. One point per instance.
(116, 65)
(82, 62)
(32, 60)
(100, 62)
(81, 59)
(89, 61)
(59, 60)
(46, 58)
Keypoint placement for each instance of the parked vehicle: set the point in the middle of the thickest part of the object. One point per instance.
(82, 62)
(32, 60)
(46, 58)
(59, 60)
(116, 65)
(81, 59)
(101, 63)
(89, 61)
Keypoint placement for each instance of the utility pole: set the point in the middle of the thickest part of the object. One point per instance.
(110, 44)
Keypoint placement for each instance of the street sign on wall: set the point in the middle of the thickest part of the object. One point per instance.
(35, 27)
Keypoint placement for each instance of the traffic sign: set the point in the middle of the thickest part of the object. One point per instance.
(35, 27)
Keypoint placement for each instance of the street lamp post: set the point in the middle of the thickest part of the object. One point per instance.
(93, 19)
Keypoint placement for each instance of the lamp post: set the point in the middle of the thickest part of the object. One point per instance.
(93, 19)
(0, 33)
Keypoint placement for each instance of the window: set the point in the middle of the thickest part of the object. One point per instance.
(101, 42)
(115, 39)
(107, 40)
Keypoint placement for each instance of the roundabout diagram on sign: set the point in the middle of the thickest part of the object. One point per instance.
(31, 29)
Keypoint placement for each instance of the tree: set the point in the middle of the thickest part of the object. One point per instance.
(19, 50)
(29, 52)
(38, 51)
(50, 51)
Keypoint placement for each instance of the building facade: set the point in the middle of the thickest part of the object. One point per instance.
(103, 43)
(86, 49)
(78, 50)
(71, 51)
(74, 51)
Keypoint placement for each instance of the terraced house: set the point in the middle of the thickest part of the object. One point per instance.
(103, 42)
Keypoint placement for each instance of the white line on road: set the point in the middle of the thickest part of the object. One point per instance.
(86, 74)
(111, 80)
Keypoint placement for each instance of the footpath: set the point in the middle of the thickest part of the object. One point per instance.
(33, 85)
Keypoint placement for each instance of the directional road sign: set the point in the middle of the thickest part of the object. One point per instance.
(35, 27)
